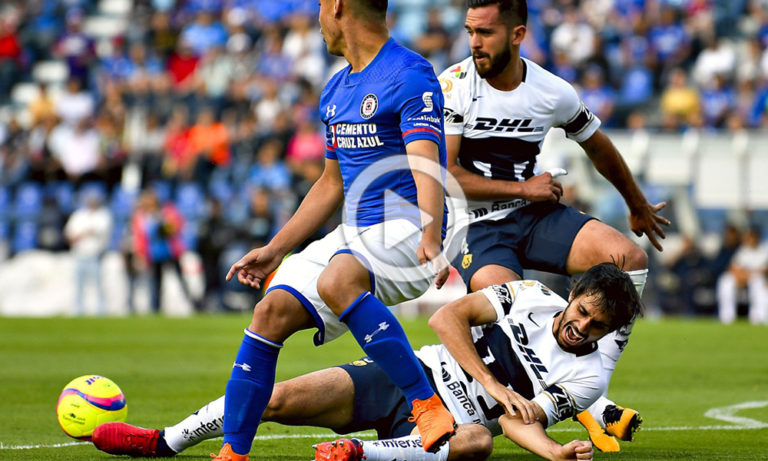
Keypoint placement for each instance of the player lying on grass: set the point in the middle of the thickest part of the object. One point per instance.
(514, 359)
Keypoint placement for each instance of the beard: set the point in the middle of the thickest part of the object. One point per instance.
(497, 64)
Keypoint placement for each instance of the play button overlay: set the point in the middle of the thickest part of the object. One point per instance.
(389, 248)
(396, 206)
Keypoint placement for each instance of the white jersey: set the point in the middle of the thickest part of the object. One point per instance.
(521, 351)
(502, 131)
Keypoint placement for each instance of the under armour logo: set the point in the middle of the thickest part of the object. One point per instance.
(330, 111)
(382, 326)
(244, 366)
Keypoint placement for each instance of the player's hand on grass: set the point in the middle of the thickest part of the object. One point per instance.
(513, 402)
(542, 188)
(576, 450)
(252, 268)
(647, 221)
(429, 252)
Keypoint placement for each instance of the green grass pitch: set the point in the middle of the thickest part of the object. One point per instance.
(674, 372)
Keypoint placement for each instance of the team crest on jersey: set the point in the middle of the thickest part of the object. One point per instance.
(446, 85)
(545, 291)
(458, 72)
(369, 106)
(466, 261)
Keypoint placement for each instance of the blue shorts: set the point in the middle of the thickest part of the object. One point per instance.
(379, 403)
(538, 236)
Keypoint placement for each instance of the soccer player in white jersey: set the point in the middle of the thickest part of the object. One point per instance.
(515, 359)
(498, 108)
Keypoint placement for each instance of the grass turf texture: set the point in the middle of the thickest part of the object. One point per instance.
(673, 372)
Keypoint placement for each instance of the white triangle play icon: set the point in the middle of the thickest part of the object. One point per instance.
(397, 207)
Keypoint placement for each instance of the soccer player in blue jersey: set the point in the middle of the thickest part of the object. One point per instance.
(384, 109)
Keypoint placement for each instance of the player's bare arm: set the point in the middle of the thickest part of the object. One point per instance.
(643, 216)
(452, 324)
(425, 167)
(321, 202)
(536, 189)
(533, 438)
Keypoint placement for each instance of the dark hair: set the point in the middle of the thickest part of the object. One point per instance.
(514, 12)
(614, 291)
(377, 8)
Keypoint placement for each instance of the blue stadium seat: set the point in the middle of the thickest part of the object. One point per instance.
(123, 201)
(190, 201)
(221, 190)
(24, 236)
(5, 204)
(28, 201)
(64, 194)
(162, 190)
(96, 188)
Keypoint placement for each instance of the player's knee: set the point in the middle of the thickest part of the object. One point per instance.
(475, 444)
(636, 258)
(278, 402)
(276, 319)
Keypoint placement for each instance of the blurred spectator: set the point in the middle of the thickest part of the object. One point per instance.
(679, 103)
(574, 38)
(597, 95)
(77, 150)
(76, 47)
(270, 172)
(717, 59)
(157, 242)
(729, 243)
(162, 37)
(42, 107)
(74, 104)
(717, 101)
(88, 232)
(747, 270)
(10, 55)
(307, 145)
(204, 33)
(182, 67)
(303, 46)
(215, 236)
(689, 274)
(209, 146)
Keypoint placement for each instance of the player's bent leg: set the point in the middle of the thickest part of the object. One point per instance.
(249, 388)
(491, 274)
(597, 242)
(380, 335)
(472, 442)
(323, 398)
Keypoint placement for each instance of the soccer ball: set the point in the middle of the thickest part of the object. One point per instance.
(87, 402)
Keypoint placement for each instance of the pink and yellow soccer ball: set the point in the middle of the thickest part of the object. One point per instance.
(87, 402)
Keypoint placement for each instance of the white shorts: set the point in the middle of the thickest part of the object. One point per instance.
(387, 249)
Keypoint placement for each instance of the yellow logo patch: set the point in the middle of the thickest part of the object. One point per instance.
(467, 261)
(446, 85)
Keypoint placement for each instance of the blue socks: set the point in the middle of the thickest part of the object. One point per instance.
(383, 339)
(248, 390)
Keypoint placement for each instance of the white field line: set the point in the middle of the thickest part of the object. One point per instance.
(721, 413)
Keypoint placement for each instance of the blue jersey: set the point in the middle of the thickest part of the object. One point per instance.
(370, 116)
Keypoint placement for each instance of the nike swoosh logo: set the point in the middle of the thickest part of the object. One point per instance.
(530, 317)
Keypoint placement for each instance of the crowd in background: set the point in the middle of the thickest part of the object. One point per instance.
(210, 106)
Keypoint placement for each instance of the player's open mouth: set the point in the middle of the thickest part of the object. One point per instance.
(571, 336)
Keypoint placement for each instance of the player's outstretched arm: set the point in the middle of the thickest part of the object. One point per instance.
(321, 202)
(425, 167)
(452, 324)
(644, 217)
(534, 438)
(536, 189)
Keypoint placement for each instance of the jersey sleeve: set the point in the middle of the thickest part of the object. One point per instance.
(501, 297)
(564, 400)
(419, 103)
(455, 102)
(330, 143)
(573, 116)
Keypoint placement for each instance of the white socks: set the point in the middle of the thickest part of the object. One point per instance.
(404, 448)
(206, 423)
